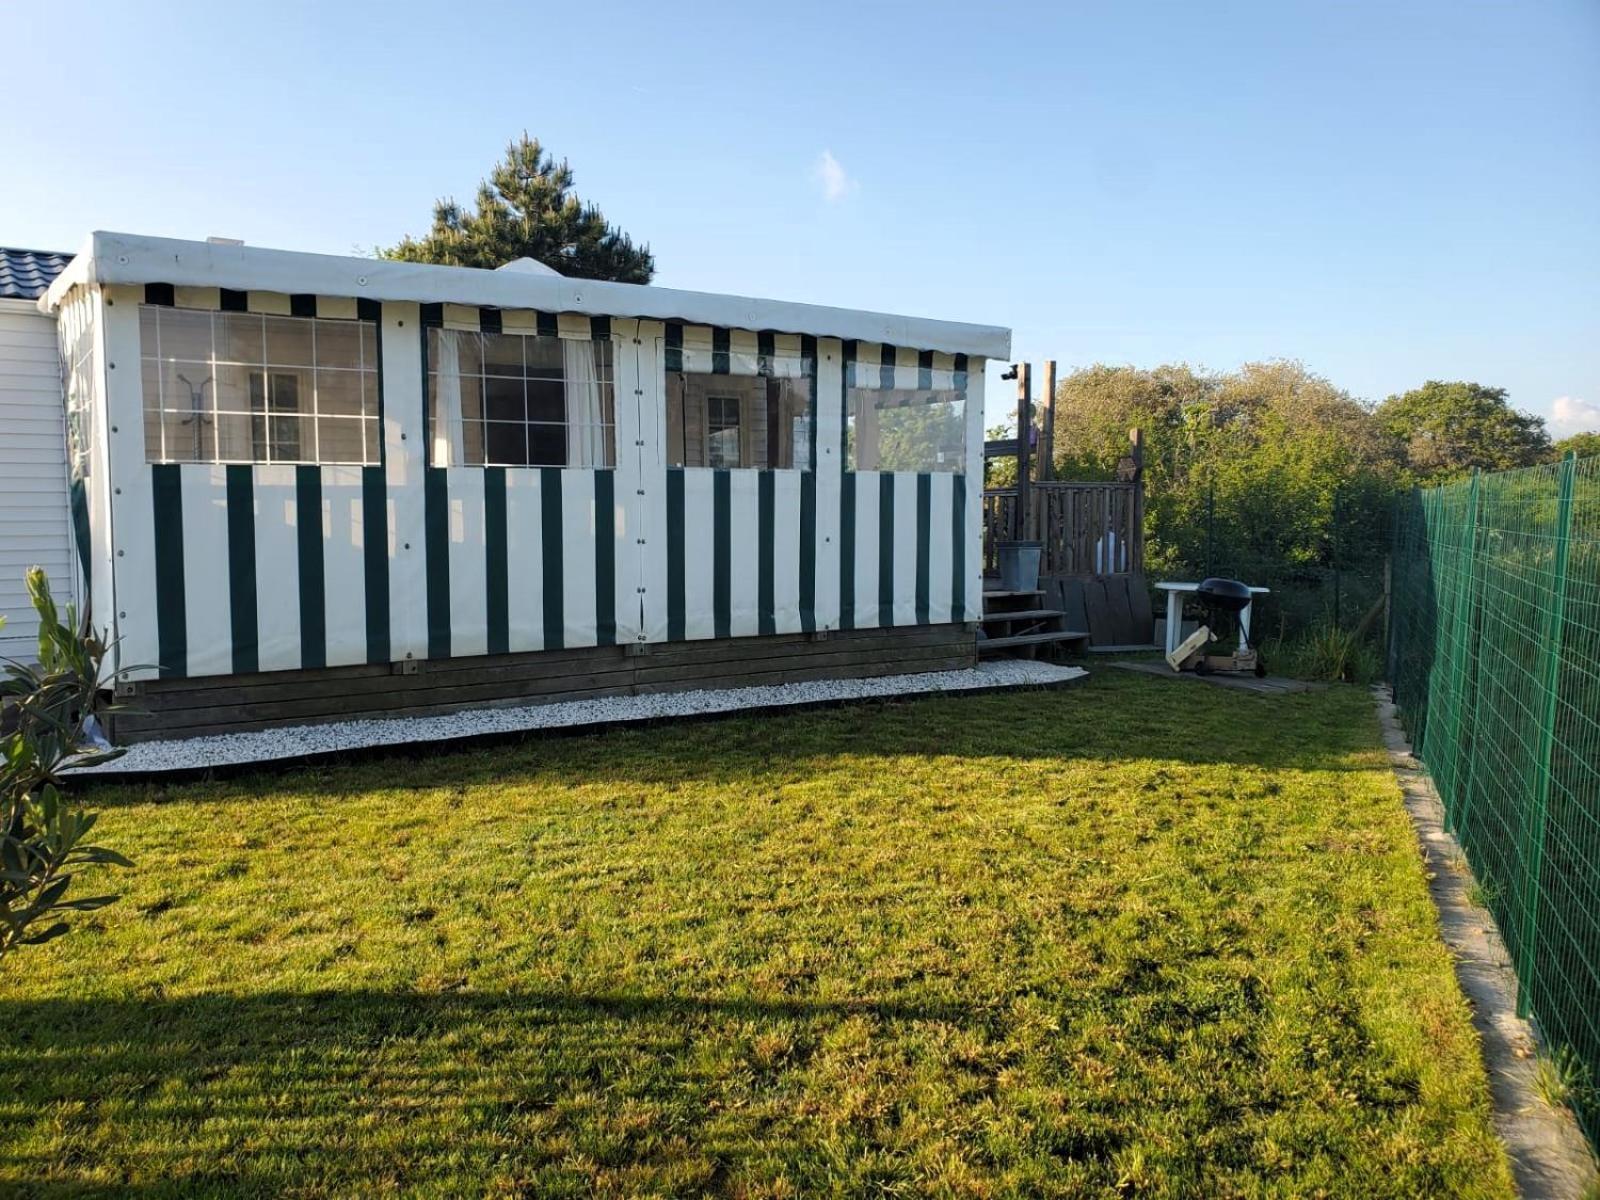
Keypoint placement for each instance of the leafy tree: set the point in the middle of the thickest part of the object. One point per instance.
(1584, 445)
(1269, 472)
(527, 209)
(1444, 430)
(41, 832)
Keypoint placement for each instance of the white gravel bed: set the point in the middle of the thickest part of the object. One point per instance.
(298, 741)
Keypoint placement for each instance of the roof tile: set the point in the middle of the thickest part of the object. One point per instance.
(27, 274)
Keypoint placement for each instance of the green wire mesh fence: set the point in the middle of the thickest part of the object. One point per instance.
(1494, 656)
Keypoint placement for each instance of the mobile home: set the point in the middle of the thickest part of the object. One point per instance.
(303, 487)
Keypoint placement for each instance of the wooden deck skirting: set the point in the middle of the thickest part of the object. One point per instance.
(236, 703)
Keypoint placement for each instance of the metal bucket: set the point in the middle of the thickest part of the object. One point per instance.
(1019, 565)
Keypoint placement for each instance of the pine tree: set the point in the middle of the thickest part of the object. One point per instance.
(527, 209)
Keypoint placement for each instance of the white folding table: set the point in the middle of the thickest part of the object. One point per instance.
(1175, 594)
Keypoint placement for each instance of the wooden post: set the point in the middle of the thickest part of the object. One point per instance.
(1136, 534)
(1024, 447)
(1047, 435)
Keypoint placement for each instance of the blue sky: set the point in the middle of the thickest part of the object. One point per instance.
(1390, 192)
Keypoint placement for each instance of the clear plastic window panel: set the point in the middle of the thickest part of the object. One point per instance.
(906, 429)
(228, 387)
(520, 400)
(760, 421)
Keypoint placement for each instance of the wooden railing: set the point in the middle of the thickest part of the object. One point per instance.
(1086, 528)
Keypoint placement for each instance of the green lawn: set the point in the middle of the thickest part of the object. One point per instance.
(1133, 937)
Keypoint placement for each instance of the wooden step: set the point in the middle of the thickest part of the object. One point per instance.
(1031, 639)
(996, 594)
(1025, 614)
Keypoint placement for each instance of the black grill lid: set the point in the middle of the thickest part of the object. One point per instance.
(1227, 594)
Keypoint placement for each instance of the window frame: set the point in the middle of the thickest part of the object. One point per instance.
(670, 357)
(367, 420)
(606, 367)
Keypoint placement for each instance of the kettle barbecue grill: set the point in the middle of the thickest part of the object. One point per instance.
(1223, 600)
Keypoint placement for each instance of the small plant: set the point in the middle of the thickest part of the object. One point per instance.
(1333, 655)
(1484, 893)
(48, 722)
(1561, 1077)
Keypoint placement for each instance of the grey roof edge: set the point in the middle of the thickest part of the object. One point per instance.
(121, 258)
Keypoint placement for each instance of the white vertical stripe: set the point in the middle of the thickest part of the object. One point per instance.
(939, 548)
(469, 602)
(974, 564)
(698, 556)
(905, 548)
(344, 566)
(744, 539)
(744, 352)
(577, 561)
(630, 518)
(205, 570)
(277, 568)
(403, 451)
(652, 481)
(867, 614)
(829, 468)
(786, 554)
(133, 515)
(905, 367)
(524, 560)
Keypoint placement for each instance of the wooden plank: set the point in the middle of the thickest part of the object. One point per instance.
(1099, 611)
(1139, 608)
(1072, 599)
(272, 699)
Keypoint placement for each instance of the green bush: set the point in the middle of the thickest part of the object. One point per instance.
(1327, 653)
(47, 713)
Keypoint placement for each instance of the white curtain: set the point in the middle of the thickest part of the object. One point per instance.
(585, 437)
(448, 450)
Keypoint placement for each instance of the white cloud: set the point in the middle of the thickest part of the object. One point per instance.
(831, 176)
(1570, 415)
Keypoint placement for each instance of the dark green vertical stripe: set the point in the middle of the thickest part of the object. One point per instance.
(677, 598)
(925, 370)
(79, 500)
(308, 538)
(674, 347)
(375, 559)
(546, 325)
(496, 571)
(847, 551)
(808, 551)
(436, 538)
(766, 348)
(551, 551)
(242, 570)
(722, 554)
(885, 548)
(958, 547)
(766, 498)
(605, 557)
(924, 544)
(886, 359)
(721, 340)
(172, 613)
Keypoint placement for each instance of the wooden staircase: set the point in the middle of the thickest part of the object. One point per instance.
(1017, 625)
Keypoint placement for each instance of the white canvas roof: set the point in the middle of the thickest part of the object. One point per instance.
(123, 258)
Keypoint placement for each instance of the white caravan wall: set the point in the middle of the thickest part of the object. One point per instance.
(34, 513)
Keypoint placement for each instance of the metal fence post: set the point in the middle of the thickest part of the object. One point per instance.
(1464, 674)
(1538, 812)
